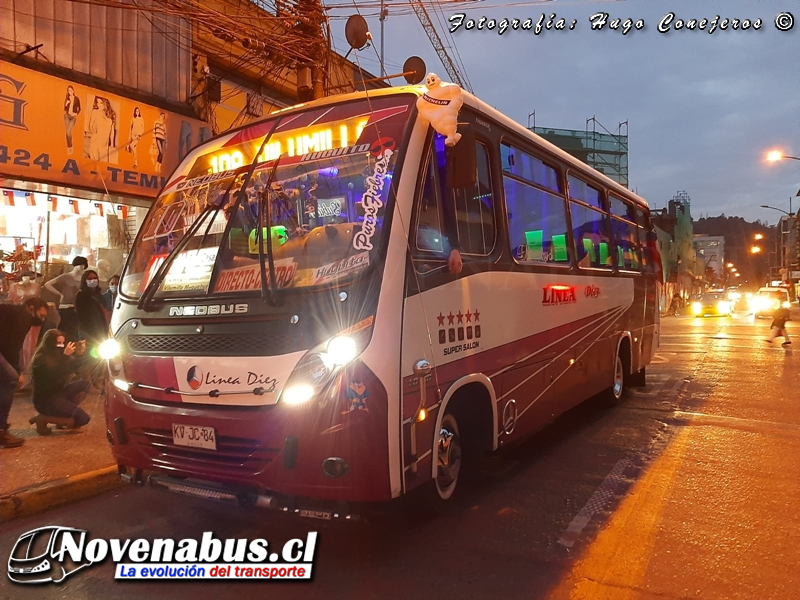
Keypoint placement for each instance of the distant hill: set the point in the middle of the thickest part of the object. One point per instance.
(734, 227)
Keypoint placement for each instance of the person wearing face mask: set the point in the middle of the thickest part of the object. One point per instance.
(110, 296)
(55, 397)
(15, 322)
(89, 304)
(66, 287)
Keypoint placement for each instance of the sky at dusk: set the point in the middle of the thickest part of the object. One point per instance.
(702, 109)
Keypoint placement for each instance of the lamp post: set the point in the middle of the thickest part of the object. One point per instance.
(780, 209)
(776, 155)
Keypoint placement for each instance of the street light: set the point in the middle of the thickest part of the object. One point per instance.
(776, 155)
(759, 236)
(755, 249)
(729, 265)
(778, 209)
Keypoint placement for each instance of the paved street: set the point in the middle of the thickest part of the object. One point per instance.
(687, 490)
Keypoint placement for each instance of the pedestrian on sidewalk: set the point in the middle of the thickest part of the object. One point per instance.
(15, 322)
(54, 395)
(93, 325)
(778, 327)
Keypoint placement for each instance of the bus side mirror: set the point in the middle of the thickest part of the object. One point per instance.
(462, 162)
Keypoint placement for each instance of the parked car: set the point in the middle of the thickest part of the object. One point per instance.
(767, 299)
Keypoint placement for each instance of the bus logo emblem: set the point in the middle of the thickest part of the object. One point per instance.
(194, 377)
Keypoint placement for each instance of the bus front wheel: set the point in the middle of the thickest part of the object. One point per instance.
(449, 454)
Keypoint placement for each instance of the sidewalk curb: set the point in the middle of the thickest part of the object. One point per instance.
(39, 498)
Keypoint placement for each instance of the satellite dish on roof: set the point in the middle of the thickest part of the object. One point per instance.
(414, 70)
(356, 31)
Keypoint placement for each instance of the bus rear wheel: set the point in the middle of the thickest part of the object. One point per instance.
(613, 395)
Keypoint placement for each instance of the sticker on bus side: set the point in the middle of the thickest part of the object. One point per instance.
(332, 271)
(247, 278)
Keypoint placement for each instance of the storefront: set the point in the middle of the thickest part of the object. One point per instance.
(79, 168)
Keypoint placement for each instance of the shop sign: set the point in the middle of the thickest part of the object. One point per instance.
(68, 134)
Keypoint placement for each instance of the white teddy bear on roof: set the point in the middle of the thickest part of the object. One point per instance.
(440, 106)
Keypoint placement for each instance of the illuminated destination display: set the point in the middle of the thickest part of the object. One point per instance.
(290, 143)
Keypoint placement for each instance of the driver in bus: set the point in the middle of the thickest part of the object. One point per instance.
(450, 226)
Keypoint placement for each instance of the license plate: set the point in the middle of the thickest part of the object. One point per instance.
(316, 514)
(194, 436)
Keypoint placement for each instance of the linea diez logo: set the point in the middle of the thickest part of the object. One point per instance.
(39, 556)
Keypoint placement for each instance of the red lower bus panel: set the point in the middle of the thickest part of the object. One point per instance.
(278, 448)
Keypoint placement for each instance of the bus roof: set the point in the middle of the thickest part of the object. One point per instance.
(474, 102)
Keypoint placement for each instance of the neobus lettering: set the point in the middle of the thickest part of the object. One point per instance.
(213, 309)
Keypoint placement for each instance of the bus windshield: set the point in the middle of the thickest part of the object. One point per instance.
(323, 206)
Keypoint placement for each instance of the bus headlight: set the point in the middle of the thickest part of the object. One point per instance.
(697, 308)
(322, 364)
(786, 305)
(341, 350)
(723, 307)
(297, 394)
(109, 349)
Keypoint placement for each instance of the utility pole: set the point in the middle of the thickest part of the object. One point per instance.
(384, 14)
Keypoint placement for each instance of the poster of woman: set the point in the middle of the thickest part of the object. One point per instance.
(100, 135)
(136, 133)
(160, 140)
(72, 108)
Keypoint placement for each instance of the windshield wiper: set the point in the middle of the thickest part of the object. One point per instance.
(265, 208)
(154, 284)
(161, 271)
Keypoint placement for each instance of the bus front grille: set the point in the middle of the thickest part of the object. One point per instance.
(271, 344)
(233, 455)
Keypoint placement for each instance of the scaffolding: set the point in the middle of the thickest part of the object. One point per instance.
(599, 148)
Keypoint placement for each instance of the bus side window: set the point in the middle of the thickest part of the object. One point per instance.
(627, 243)
(537, 223)
(590, 230)
(475, 210)
(430, 237)
(590, 226)
(625, 234)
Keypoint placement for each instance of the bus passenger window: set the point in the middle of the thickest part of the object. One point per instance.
(580, 190)
(590, 230)
(526, 166)
(475, 210)
(537, 223)
(430, 234)
(627, 243)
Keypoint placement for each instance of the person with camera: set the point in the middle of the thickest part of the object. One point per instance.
(56, 391)
(15, 323)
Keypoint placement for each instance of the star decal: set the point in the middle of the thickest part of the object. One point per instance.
(469, 316)
(450, 318)
(440, 318)
(477, 315)
(460, 317)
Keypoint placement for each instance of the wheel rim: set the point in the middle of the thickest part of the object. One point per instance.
(448, 458)
(618, 378)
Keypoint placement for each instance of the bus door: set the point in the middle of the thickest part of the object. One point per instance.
(442, 321)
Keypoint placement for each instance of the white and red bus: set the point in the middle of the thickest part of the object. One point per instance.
(359, 367)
